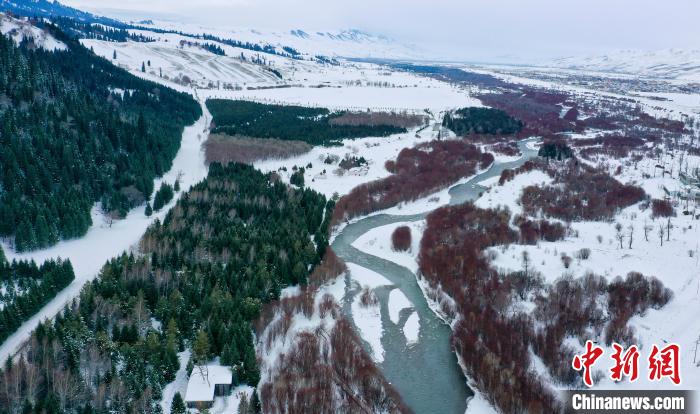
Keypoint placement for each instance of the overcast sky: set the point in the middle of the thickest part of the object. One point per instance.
(475, 30)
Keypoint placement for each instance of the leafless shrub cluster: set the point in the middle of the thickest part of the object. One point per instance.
(224, 149)
(325, 368)
(493, 341)
(580, 192)
(418, 172)
(400, 120)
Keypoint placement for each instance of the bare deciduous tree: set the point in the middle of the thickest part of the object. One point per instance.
(630, 234)
(647, 230)
(526, 262)
(618, 234)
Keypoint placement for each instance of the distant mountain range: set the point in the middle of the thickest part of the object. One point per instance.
(337, 43)
(667, 63)
(45, 8)
(345, 43)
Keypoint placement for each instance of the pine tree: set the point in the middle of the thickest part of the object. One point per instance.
(143, 67)
(178, 405)
(42, 231)
(172, 335)
(254, 403)
(243, 405)
(163, 196)
(176, 186)
(27, 407)
(25, 239)
(149, 210)
(200, 348)
(114, 55)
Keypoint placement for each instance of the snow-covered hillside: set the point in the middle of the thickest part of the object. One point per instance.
(20, 30)
(183, 63)
(667, 63)
(332, 43)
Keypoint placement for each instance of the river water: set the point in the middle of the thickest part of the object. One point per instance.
(425, 373)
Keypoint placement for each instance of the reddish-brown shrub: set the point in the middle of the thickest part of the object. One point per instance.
(379, 118)
(571, 115)
(539, 109)
(662, 208)
(418, 172)
(330, 267)
(487, 342)
(328, 370)
(613, 145)
(224, 149)
(633, 295)
(530, 165)
(401, 239)
(532, 231)
(580, 193)
(368, 298)
(505, 148)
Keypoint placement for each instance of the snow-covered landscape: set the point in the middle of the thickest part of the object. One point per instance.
(575, 220)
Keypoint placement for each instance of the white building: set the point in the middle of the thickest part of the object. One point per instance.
(207, 382)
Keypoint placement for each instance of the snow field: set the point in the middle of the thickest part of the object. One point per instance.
(376, 151)
(675, 264)
(508, 194)
(377, 242)
(397, 302)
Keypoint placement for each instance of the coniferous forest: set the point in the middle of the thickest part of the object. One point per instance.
(288, 122)
(26, 287)
(468, 121)
(69, 140)
(228, 246)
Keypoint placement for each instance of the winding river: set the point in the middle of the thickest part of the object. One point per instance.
(425, 373)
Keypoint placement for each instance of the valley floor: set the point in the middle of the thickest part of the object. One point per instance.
(675, 263)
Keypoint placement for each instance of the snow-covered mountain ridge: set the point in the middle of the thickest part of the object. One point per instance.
(667, 63)
(332, 43)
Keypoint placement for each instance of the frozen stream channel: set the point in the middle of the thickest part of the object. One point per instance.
(426, 372)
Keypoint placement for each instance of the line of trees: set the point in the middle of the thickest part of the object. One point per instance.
(87, 30)
(288, 122)
(473, 120)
